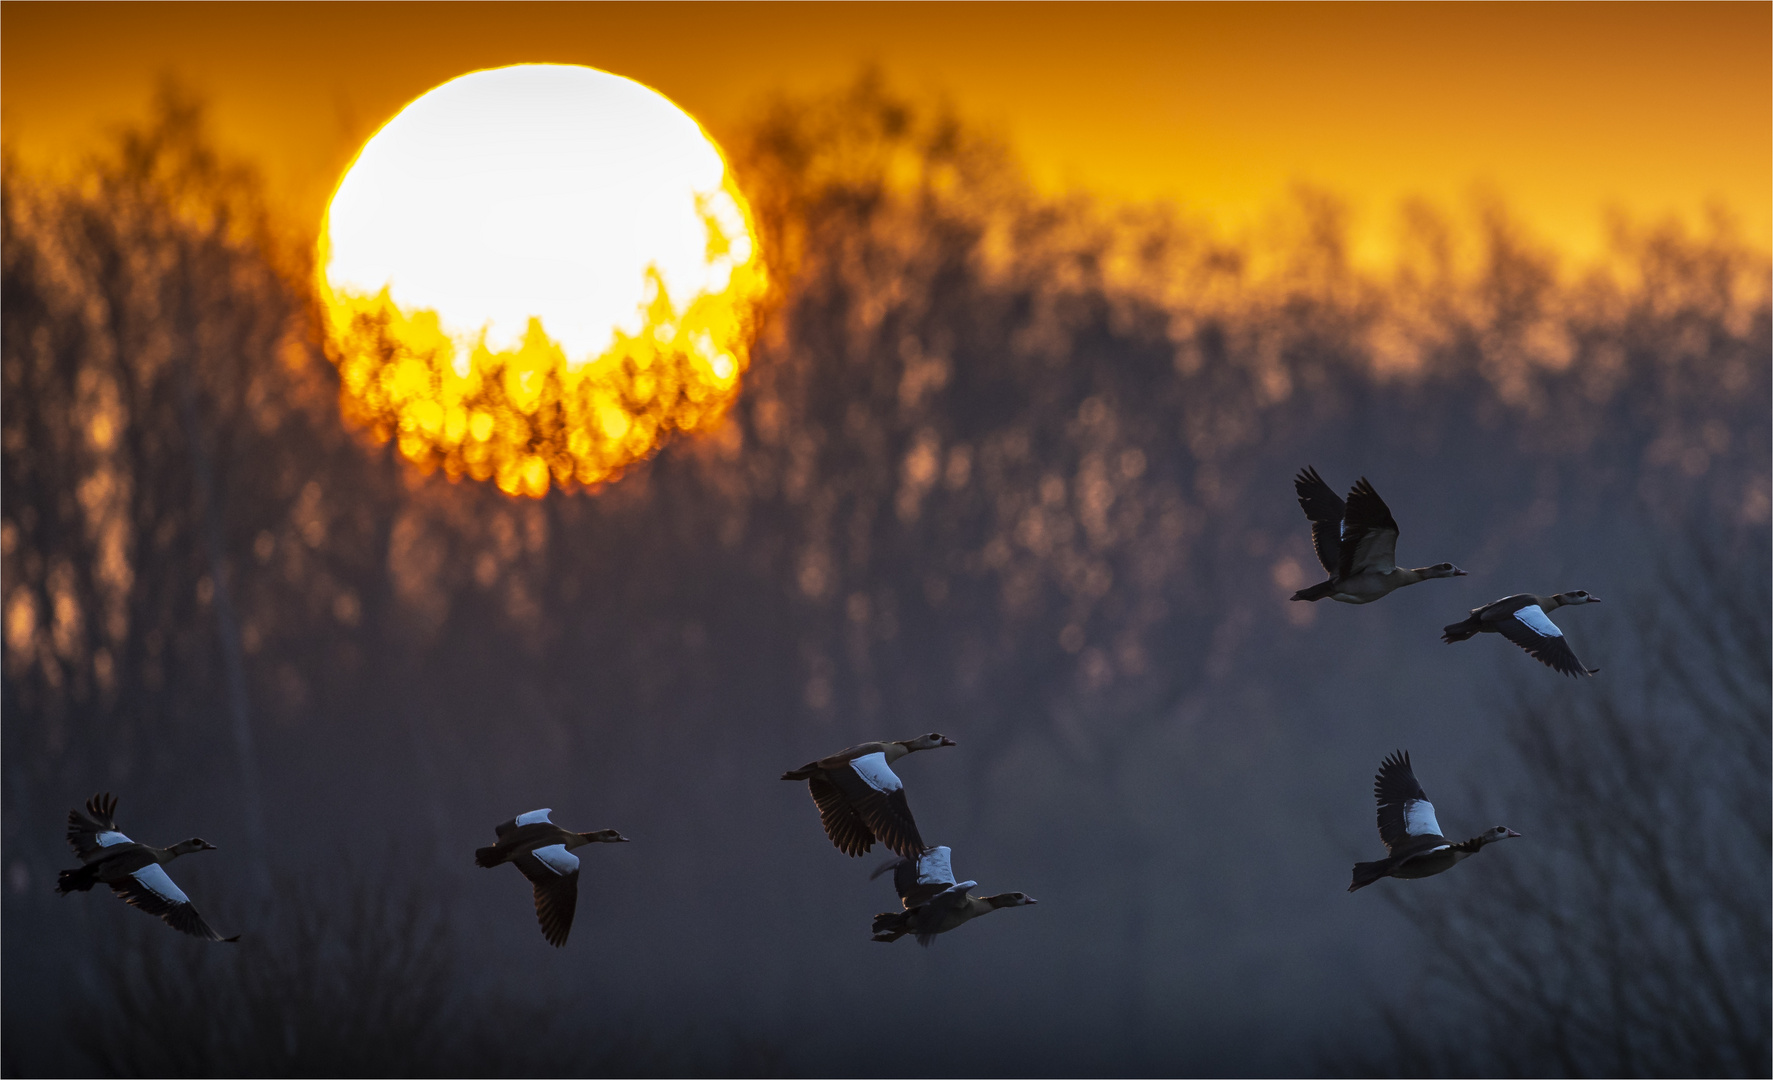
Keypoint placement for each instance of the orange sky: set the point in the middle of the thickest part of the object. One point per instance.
(1564, 109)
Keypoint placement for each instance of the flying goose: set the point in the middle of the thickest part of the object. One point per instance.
(1356, 542)
(934, 902)
(543, 851)
(132, 870)
(1410, 832)
(862, 800)
(1525, 619)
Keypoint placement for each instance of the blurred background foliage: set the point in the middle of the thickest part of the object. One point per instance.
(1011, 468)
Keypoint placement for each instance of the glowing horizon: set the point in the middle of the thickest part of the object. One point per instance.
(1562, 111)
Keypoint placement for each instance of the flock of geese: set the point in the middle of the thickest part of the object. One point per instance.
(862, 801)
(1356, 541)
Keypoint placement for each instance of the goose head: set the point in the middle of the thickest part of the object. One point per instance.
(927, 742)
(1500, 832)
(1010, 899)
(185, 847)
(1445, 569)
(603, 836)
(1578, 596)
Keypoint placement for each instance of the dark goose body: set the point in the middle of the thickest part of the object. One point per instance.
(1525, 619)
(1356, 543)
(135, 872)
(861, 799)
(1411, 834)
(543, 852)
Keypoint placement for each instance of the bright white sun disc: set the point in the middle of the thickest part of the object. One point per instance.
(537, 191)
(539, 276)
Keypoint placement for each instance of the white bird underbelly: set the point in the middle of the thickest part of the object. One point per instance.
(1370, 585)
(1430, 863)
(1361, 589)
(950, 919)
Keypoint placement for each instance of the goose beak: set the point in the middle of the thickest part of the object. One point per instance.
(946, 741)
(1593, 599)
(1508, 832)
(1460, 573)
(207, 846)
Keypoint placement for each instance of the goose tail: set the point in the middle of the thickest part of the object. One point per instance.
(1365, 873)
(81, 880)
(890, 926)
(1316, 592)
(1459, 631)
(487, 856)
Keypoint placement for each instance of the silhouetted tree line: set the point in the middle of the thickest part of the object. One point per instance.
(1005, 466)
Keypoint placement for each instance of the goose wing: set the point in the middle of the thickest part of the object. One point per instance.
(1405, 814)
(554, 871)
(920, 880)
(1369, 534)
(843, 823)
(91, 832)
(151, 889)
(1532, 629)
(871, 787)
(533, 817)
(1325, 509)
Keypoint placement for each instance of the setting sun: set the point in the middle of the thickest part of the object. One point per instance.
(534, 274)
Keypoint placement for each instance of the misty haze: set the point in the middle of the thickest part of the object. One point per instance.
(1011, 468)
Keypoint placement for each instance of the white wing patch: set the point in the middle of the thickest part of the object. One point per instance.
(556, 858)
(959, 889)
(1535, 619)
(934, 867)
(873, 770)
(155, 880)
(111, 839)
(1419, 818)
(534, 817)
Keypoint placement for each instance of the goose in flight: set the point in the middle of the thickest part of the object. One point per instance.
(934, 902)
(1356, 541)
(543, 851)
(862, 800)
(133, 871)
(1410, 832)
(1525, 619)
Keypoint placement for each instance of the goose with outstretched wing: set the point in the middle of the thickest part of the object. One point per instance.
(1525, 619)
(543, 851)
(135, 872)
(934, 903)
(861, 799)
(1411, 834)
(1356, 543)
